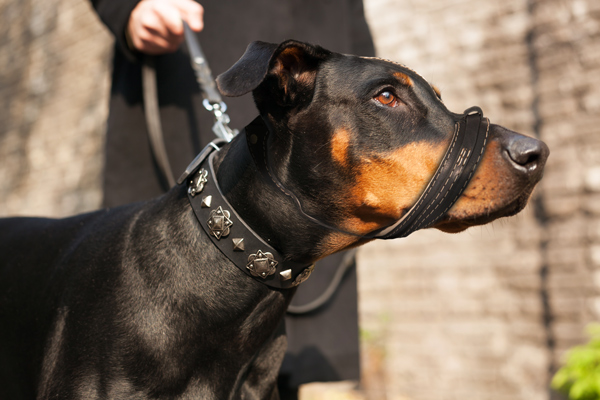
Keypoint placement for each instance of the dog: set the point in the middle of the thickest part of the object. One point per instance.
(139, 302)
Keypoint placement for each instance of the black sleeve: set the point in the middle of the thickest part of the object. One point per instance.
(115, 15)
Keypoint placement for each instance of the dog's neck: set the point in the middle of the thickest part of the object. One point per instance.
(270, 214)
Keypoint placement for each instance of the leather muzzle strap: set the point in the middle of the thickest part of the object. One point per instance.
(443, 190)
(451, 178)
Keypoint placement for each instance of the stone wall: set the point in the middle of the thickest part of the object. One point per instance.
(566, 45)
(486, 314)
(54, 81)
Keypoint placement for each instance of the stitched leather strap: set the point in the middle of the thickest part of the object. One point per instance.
(451, 178)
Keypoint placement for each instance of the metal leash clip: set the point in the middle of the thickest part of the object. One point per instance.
(221, 126)
(212, 98)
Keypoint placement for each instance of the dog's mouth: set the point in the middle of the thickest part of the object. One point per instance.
(458, 222)
(511, 167)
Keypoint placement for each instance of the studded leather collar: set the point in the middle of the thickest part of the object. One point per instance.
(228, 231)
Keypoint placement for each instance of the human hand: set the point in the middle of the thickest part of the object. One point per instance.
(156, 27)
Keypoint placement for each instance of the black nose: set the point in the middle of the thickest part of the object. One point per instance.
(526, 152)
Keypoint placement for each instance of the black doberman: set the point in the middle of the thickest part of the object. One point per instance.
(137, 302)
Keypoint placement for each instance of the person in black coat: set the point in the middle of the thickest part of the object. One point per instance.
(323, 344)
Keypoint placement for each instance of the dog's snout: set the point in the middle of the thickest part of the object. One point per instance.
(527, 152)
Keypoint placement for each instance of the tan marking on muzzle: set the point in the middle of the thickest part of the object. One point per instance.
(493, 188)
(488, 187)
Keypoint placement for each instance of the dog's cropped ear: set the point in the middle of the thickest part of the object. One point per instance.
(293, 64)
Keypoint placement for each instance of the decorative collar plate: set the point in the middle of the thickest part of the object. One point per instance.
(262, 264)
(219, 222)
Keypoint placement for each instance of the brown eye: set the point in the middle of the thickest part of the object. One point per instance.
(387, 98)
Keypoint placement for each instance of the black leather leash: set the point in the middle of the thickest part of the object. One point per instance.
(344, 266)
(212, 101)
(212, 98)
(443, 190)
(153, 125)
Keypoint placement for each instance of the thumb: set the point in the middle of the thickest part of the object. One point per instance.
(192, 13)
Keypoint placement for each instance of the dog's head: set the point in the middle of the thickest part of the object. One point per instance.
(370, 134)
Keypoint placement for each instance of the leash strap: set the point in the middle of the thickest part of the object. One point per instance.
(153, 125)
(228, 231)
(212, 98)
(347, 262)
(443, 190)
(212, 102)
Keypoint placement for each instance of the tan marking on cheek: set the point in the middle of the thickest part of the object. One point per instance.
(404, 79)
(388, 185)
(437, 91)
(339, 146)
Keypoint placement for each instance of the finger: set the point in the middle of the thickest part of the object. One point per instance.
(191, 12)
(149, 21)
(152, 41)
(170, 17)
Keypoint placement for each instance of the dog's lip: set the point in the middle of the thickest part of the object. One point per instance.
(527, 175)
(455, 225)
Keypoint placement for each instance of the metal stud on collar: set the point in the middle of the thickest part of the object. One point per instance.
(206, 202)
(238, 244)
(285, 275)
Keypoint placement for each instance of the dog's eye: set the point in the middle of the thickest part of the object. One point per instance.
(387, 98)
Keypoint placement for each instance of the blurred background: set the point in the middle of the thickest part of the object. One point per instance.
(485, 314)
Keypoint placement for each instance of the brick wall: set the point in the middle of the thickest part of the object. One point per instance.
(484, 314)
